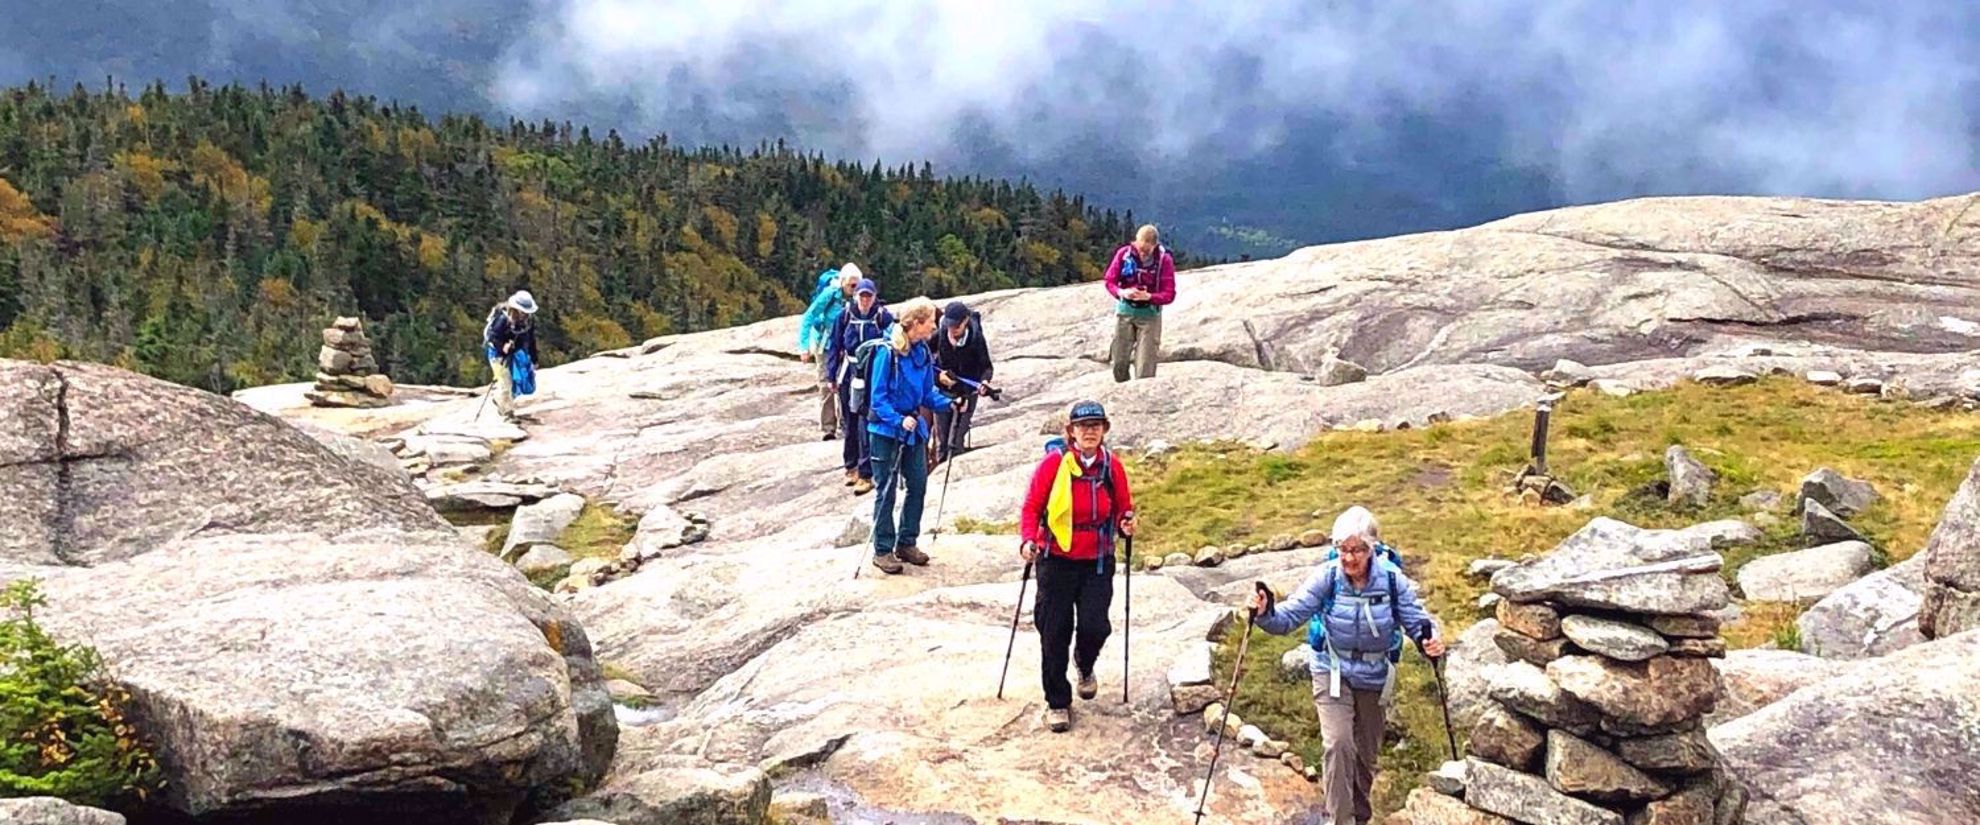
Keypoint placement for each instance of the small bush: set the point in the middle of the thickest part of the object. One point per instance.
(62, 726)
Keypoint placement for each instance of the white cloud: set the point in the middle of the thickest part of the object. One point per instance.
(1754, 96)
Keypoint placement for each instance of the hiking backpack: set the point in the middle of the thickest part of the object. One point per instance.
(1132, 273)
(1316, 628)
(860, 399)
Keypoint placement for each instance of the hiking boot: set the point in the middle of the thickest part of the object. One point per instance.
(912, 555)
(862, 486)
(886, 562)
(829, 435)
(1058, 719)
(1089, 687)
(851, 476)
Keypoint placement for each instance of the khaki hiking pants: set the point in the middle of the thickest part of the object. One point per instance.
(828, 400)
(1351, 737)
(1139, 339)
(504, 389)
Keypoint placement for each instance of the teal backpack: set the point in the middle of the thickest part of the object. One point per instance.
(1316, 629)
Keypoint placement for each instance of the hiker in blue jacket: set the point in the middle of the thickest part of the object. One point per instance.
(1363, 604)
(509, 329)
(828, 302)
(903, 383)
(864, 320)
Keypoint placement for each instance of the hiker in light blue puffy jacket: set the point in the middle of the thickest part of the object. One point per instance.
(835, 291)
(1363, 603)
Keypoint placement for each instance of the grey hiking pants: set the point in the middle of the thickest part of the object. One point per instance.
(1350, 738)
(1139, 339)
(828, 401)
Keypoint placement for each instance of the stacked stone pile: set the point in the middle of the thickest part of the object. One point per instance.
(346, 373)
(1597, 719)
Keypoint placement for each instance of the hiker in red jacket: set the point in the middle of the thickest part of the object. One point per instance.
(1077, 502)
(1143, 278)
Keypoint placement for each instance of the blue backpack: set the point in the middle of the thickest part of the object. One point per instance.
(860, 399)
(1316, 629)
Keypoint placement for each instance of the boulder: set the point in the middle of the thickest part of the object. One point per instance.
(1724, 533)
(1296, 665)
(1528, 798)
(472, 496)
(1482, 569)
(1447, 779)
(1724, 376)
(1193, 666)
(1761, 501)
(542, 558)
(205, 546)
(1872, 616)
(1952, 565)
(662, 529)
(1844, 496)
(1426, 806)
(1467, 670)
(1178, 560)
(48, 810)
(1820, 526)
(1535, 621)
(1210, 556)
(1581, 769)
(1507, 738)
(702, 795)
(1696, 627)
(1613, 388)
(541, 523)
(1614, 639)
(1524, 648)
(1660, 693)
(1823, 378)
(1805, 575)
(1530, 691)
(1313, 538)
(1864, 386)
(1673, 753)
(1567, 373)
(1615, 566)
(1691, 481)
(1894, 742)
(1335, 371)
(1752, 679)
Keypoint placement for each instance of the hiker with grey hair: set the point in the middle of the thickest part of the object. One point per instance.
(1362, 604)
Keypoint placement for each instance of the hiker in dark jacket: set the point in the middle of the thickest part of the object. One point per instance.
(962, 358)
(865, 320)
(509, 329)
(903, 383)
(1078, 501)
(1363, 604)
(1143, 277)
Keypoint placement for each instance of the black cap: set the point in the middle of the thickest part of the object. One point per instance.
(1087, 411)
(955, 313)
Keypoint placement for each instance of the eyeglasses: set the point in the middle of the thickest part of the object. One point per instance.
(1353, 549)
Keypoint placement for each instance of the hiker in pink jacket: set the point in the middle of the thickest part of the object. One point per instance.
(1143, 279)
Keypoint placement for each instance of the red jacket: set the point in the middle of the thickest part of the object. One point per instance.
(1159, 280)
(1092, 503)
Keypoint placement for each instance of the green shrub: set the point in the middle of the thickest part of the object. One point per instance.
(62, 726)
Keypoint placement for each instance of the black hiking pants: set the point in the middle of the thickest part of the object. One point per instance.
(952, 427)
(1073, 597)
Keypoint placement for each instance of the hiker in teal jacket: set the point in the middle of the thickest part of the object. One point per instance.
(1363, 603)
(903, 382)
(834, 292)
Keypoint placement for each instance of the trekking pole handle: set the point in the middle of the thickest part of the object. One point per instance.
(1271, 601)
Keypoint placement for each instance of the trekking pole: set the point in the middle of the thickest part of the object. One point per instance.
(1012, 645)
(948, 462)
(1443, 697)
(1230, 697)
(1127, 618)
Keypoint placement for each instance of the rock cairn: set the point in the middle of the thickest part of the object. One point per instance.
(1597, 719)
(346, 373)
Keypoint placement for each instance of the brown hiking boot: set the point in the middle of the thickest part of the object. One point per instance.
(889, 564)
(1089, 687)
(862, 486)
(912, 555)
(1058, 719)
(851, 476)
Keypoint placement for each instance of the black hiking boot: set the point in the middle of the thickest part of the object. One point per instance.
(888, 564)
(912, 555)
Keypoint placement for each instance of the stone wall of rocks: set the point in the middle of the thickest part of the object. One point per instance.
(346, 371)
(1597, 719)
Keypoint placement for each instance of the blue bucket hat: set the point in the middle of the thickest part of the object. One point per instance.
(1087, 411)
